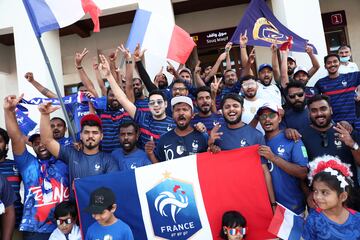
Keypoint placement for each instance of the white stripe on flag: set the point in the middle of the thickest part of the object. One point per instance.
(182, 169)
(66, 12)
(287, 224)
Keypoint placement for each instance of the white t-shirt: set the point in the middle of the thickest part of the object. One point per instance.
(269, 93)
(351, 67)
(250, 109)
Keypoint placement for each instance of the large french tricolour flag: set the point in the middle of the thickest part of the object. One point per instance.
(185, 198)
(154, 28)
(286, 224)
(47, 15)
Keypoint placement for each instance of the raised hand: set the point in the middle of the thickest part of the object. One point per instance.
(215, 85)
(104, 66)
(29, 76)
(11, 101)
(125, 52)
(228, 47)
(251, 58)
(79, 57)
(113, 56)
(47, 108)
(197, 68)
(95, 63)
(138, 53)
(273, 47)
(170, 68)
(215, 134)
(309, 49)
(243, 39)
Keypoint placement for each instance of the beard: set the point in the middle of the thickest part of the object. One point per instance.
(298, 107)
(236, 121)
(327, 123)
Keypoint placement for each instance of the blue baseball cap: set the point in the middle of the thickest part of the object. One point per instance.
(265, 65)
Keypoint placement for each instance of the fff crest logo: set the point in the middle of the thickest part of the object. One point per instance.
(173, 209)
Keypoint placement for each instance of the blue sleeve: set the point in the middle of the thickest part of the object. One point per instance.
(299, 154)
(317, 87)
(23, 160)
(309, 232)
(7, 195)
(66, 153)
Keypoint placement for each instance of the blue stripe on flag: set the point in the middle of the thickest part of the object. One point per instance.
(138, 29)
(297, 229)
(123, 184)
(41, 17)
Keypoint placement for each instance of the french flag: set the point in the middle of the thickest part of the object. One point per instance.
(286, 224)
(171, 42)
(47, 15)
(185, 198)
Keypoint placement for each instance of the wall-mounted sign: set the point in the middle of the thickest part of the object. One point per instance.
(334, 19)
(213, 38)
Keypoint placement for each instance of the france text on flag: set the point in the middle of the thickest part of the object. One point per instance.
(186, 197)
(263, 28)
(286, 224)
(47, 15)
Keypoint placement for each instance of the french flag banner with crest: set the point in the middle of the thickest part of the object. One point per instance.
(186, 197)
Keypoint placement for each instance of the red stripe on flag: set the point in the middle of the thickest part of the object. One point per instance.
(340, 91)
(147, 132)
(234, 180)
(108, 116)
(181, 45)
(13, 179)
(90, 7)
(277, 220)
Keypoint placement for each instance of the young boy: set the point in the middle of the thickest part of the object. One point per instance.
(102, 207)
(65, 215)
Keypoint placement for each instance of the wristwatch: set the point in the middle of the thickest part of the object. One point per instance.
(355, 147)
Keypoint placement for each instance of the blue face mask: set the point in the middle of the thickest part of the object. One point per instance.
(345, 59)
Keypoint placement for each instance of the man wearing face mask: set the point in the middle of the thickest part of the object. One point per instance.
(346, 66)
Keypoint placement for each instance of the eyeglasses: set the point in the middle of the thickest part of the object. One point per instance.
(60, 222)
(248, 84)
(264, 116)
(324, 139)
(158, 102)
(292, 96)
(235, 231)
(180, 89)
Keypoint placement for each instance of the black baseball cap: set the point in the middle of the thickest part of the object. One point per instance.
(100, 199)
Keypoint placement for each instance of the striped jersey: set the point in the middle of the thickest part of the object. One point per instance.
(341, 91)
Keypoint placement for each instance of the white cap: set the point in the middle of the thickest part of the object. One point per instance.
(269, 105)
(182, 99)
(300, 69)
(292, 58)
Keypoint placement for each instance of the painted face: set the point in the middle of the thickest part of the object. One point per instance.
(138, 88)
(291, 66)
(320, 114)
(179, 89)
(265, 76)
(157, 106)
(58, 128)
(186, 76)
(203, 101)
(249, 88)
(112, 101)
(40, 149)
(230, 78)
(65, 224)
(91, 136)
(269, 120)
(128, 138)
(332, 65)
(232, 111)
(296, 98)
(182, 115)
(327, 198)
(301, 76)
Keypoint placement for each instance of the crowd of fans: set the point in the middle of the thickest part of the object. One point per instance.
(194, 112)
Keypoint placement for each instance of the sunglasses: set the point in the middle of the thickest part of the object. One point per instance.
(158, 102)
(235, 231)
(292, 96)
(264, 116)
(60, 222)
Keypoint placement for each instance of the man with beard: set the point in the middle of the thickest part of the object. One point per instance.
(10, 172)
(45, 178)
(291, 62)
(287, 160)
(268, 91)
(252, 103)
(340, 88)
(88, 161)
(129, 156)
(58, 127)
(205, 104)
(182, 141)
(323, 136)
(236, 134)
(153, 123)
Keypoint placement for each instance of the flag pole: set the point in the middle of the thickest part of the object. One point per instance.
(58, 93)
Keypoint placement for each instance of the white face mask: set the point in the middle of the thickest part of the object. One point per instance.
(345, 59)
